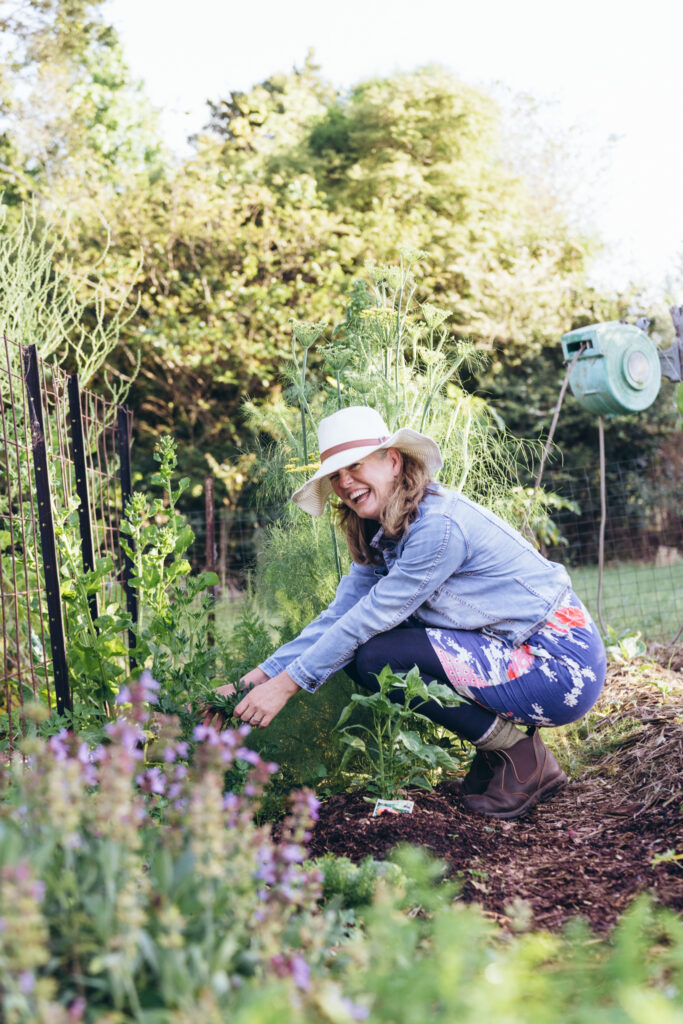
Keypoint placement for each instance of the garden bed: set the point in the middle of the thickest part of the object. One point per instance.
(589, 851)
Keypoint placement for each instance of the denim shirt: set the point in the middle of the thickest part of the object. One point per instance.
(459, 566)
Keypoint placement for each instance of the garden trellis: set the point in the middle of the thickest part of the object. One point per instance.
(62, 448)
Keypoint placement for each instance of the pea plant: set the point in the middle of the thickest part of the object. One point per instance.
(173, 638)
(390, 748)
(172, 634)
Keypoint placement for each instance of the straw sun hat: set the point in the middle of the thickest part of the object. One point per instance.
(350, 435)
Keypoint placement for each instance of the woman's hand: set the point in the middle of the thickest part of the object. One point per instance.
(260, 706)
(253, 678)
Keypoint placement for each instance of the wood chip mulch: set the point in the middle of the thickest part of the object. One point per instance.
(585, 853)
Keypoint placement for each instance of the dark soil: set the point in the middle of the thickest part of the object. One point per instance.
(586, 852)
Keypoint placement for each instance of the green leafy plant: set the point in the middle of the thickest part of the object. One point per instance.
(355, 885)
(625, 647)
(143, 895)
(173, 632)
(96, 650)
(221, 704)
(390, 747)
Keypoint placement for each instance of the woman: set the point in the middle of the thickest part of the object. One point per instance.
(440, 582)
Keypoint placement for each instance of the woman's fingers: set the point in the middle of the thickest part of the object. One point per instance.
(262, 703)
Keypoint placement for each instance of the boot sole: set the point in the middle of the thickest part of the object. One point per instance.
(550, 788)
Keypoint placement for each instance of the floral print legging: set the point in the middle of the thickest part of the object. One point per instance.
(553, 678)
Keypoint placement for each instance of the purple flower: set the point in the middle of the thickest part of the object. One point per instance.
(173, 751)
(149, 686)
(27, 982)
(291, 853)
(355, 1010)
(301, 972)
(77, 1009)
(57, 745)
(206, 733)
(250, 756)
(129, 736)
(123, 696)
(152, 781)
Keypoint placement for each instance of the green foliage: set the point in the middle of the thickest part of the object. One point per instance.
(296, 575)
(402, 359)
(390, 747)
(138, 894)
(624, 647)
(44, 301)
(289, 191)
(250, 640)
(355, 885)
(174, 639)
(96, 651)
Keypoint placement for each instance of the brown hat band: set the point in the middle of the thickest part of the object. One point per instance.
(364, 442)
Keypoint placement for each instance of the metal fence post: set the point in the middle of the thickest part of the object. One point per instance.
(123, 438)
(210, 520)
(78, 446)
(47, 531)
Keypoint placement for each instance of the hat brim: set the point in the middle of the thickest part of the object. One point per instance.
(312, 496)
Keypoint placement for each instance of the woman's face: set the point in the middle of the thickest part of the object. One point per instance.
(366, 486)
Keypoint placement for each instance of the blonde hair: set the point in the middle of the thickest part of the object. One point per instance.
(400, 511)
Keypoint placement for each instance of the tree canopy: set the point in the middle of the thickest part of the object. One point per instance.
(292, 187)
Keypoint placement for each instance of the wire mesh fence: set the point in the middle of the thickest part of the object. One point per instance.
(643, 578)
(60, 452)
(26, 661)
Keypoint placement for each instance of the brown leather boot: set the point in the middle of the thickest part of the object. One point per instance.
(478, 776)
(521, 776)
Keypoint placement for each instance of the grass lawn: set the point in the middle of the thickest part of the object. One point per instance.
(635, 597)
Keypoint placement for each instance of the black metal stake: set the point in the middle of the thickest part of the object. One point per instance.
(123, 438)
(210, 517)
(47, 532)
(78, 445)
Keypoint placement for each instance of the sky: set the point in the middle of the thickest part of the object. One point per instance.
(609, 76)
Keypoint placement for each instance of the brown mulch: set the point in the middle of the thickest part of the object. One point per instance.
(588, 851)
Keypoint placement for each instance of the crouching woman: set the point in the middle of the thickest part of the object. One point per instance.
(439, 582)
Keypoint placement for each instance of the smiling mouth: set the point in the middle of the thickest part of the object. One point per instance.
(358, 496)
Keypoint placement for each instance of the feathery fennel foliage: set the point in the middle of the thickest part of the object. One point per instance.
(398, 356)
(72, 319)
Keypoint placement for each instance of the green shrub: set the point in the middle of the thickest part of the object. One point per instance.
(134, 895)
(355, 885)
(390, 748)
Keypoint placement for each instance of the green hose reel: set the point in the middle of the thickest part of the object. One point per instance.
(618, 370)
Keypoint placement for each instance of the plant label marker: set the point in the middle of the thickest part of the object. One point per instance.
(393, 807)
